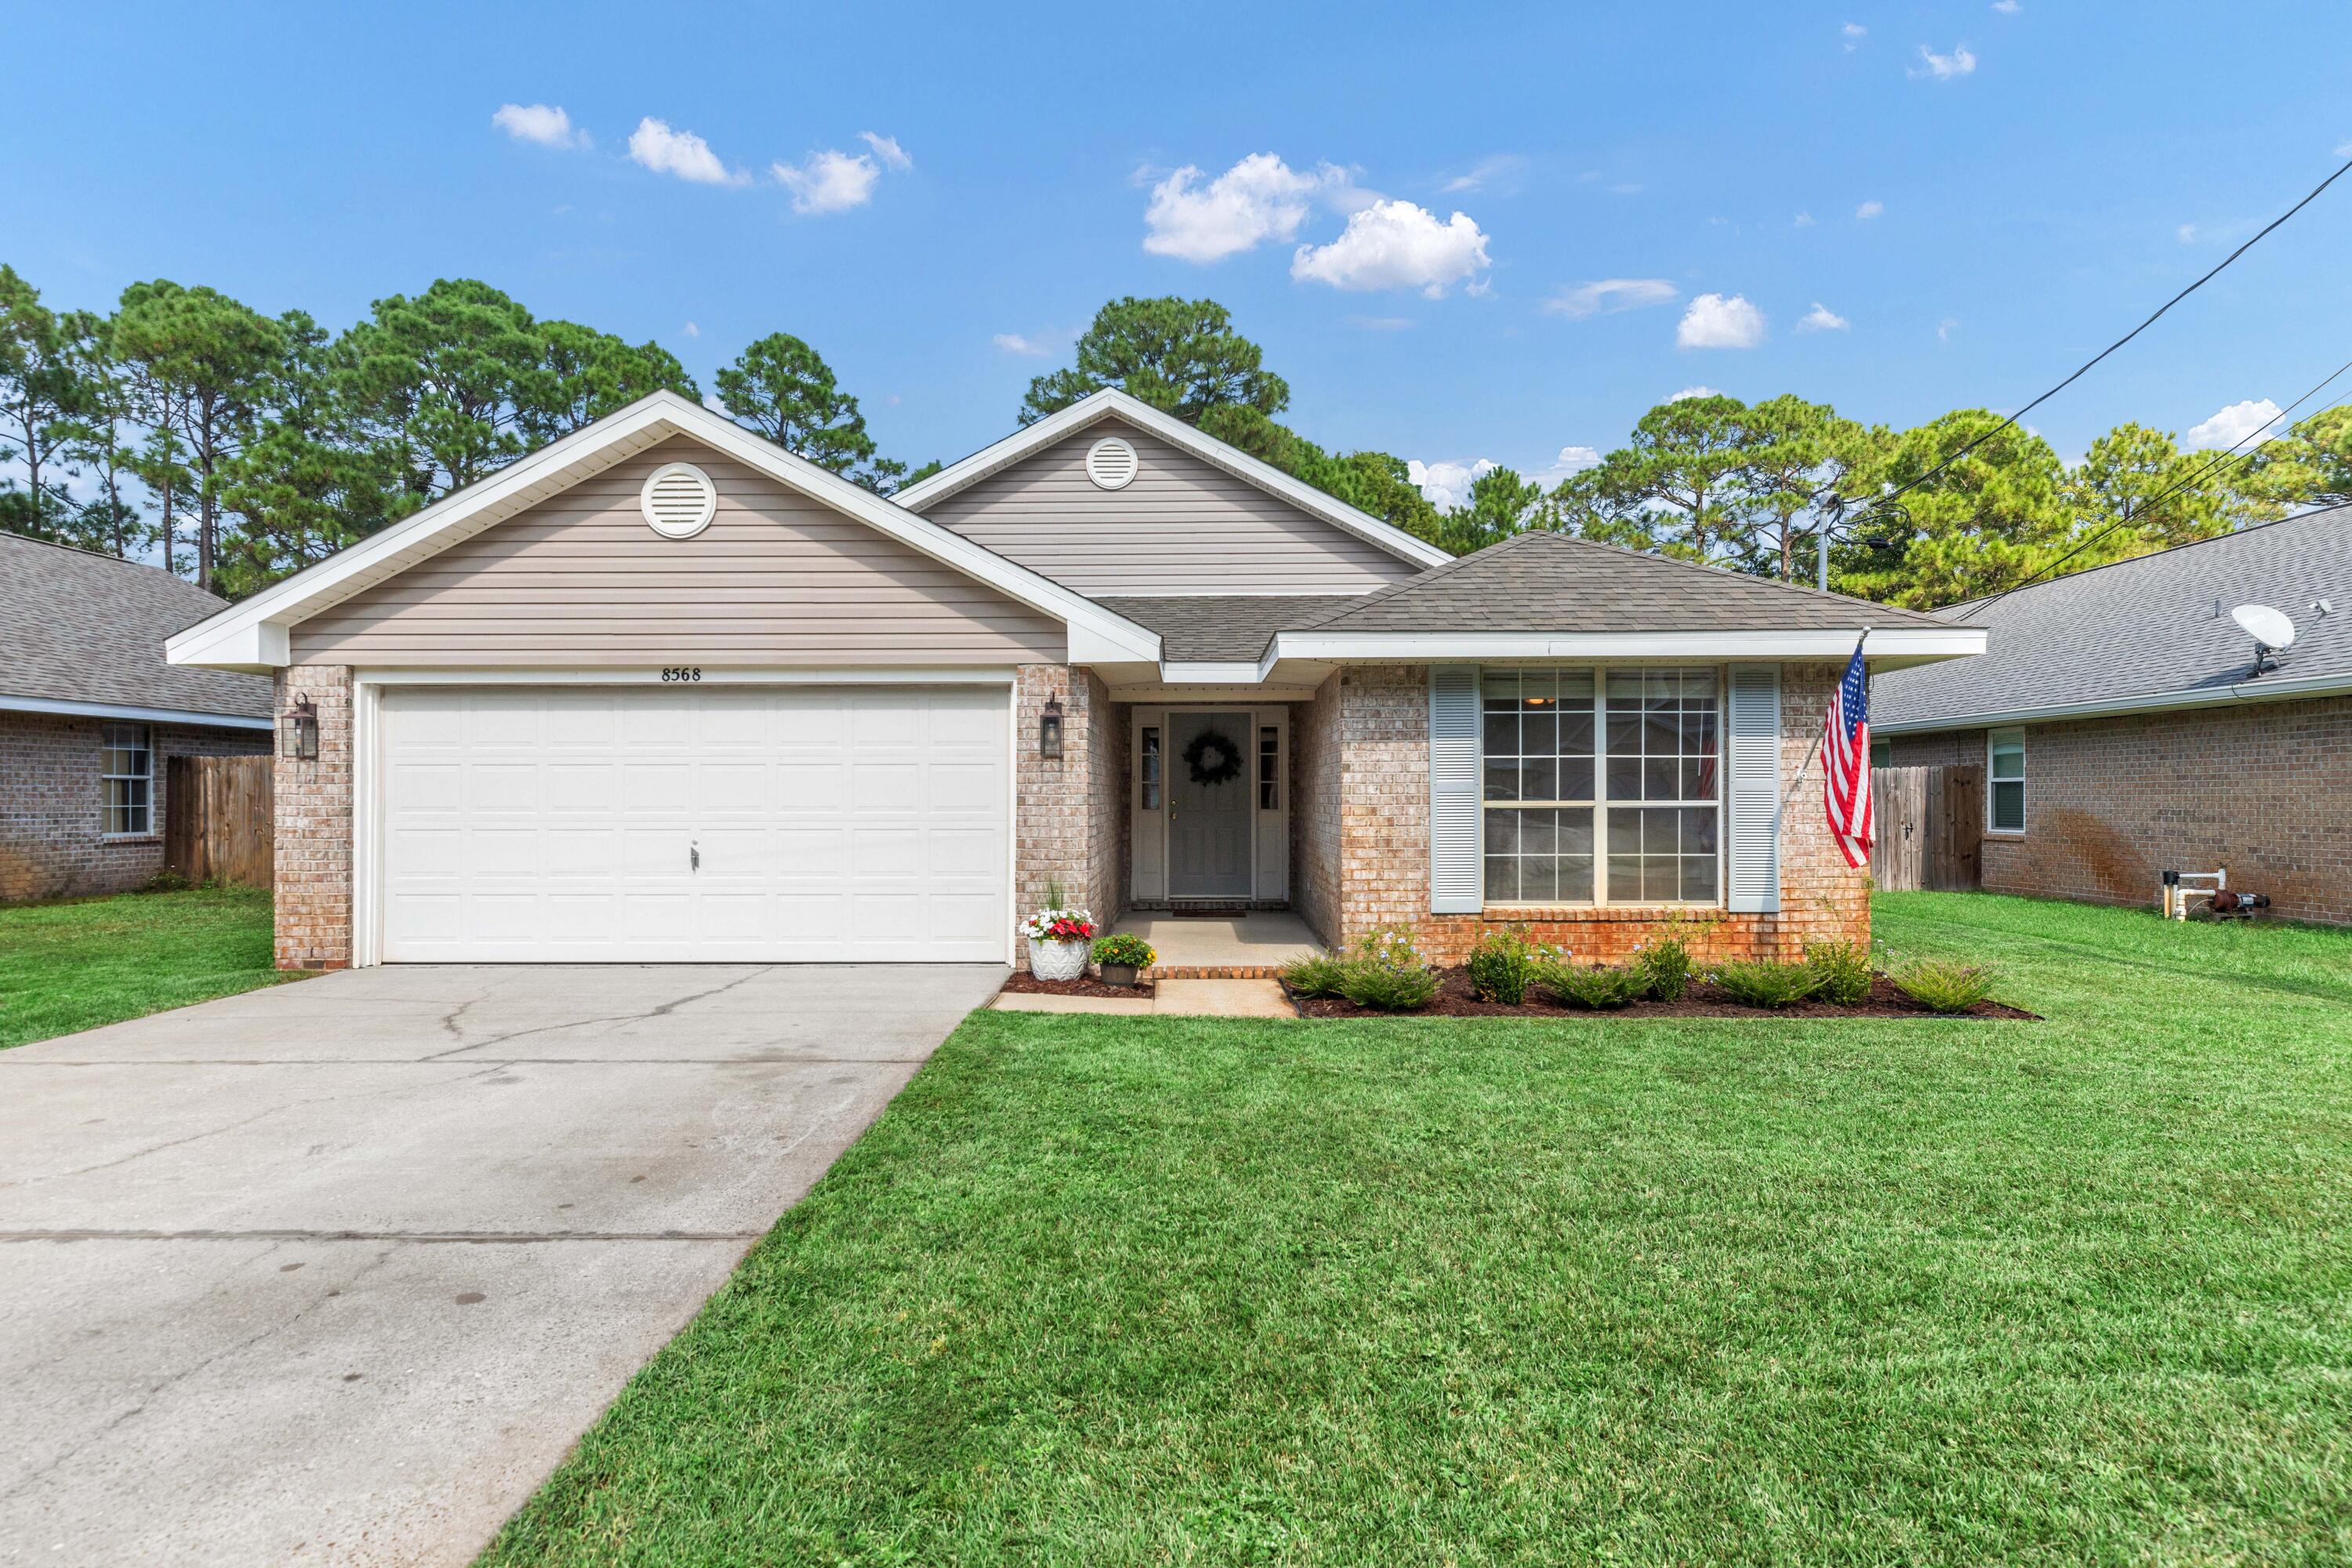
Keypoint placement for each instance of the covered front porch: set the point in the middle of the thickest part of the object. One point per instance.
(1252, 945)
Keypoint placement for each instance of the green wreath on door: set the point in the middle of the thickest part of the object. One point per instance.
(1213, 758)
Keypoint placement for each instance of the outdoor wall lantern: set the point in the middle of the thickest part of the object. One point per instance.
(302, 730)
(1049, 731)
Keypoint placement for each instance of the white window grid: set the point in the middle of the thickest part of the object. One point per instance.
(2004, 781)
(127, 781)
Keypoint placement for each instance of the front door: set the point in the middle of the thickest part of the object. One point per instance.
(1209, 806)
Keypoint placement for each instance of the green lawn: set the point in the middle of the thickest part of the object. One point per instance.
(76, 965)
(1168, 1291)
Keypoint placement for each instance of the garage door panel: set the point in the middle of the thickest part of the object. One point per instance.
(558, 825)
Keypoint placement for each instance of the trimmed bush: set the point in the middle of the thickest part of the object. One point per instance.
(1502, 964)
(1945, 987)
(1387, 973)
(1665, 965)
(1595, 987)
(1841, 972)
(1762, 984)
(1316, 973)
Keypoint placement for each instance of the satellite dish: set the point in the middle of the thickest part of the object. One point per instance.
(2271, 630)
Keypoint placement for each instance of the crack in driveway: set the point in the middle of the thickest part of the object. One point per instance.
(661, 1011)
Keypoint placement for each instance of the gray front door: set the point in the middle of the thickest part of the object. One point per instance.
(1208, 823)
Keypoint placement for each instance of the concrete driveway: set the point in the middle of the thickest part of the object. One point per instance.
(337, 1272)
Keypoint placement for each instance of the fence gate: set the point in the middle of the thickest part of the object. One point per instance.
(217, 819)
(1930, 827)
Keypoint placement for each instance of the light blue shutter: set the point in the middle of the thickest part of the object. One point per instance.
(1752, 739)
(1453, 871)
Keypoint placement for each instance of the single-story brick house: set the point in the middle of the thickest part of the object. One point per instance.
(90, 712)
(665, 691)
(2125, 733)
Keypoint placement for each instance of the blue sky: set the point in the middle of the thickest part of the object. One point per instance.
(1980, 196)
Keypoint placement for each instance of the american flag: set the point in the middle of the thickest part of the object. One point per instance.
(1845, 783)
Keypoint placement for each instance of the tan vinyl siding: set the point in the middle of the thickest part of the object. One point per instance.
(776, 579)
(1181, 526)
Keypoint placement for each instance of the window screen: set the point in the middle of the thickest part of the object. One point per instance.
(126, 771)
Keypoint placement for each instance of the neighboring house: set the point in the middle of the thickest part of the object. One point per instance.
(665, 691)
(2125, 731)
(89, 711)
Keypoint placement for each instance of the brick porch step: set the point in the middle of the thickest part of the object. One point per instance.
(1212, 971)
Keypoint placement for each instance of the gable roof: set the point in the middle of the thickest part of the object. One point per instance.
(1224, 628)
(1111, 403)
(253, 635)
(2149, 633)
(85, 635)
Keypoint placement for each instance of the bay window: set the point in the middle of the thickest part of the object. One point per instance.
(1601, 787)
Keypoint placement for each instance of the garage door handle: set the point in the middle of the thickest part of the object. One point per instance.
(694, 856)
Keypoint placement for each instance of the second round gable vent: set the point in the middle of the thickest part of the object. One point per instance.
(678, 500)
(1111, 463)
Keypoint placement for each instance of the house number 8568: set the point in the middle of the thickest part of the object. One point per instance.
(682, 672)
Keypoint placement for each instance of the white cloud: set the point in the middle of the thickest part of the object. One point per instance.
(1485, 171)
(1041, 347)
(1869, 210)
(1822, 319)
(1804, 220)
(1379, 324)
(1570, 460)
(1715, 322)
(1446, 485)
(692, 330)
(1609, 295)
(1396, 245)
(1854, 33)
(2007, 7)
(2344, 149)
(656, 146)
(1695, 391)
(1258, 199)
(1946, 328)
(2233, 424)
(545, 123)
(830, 181)
(886, 148)
(1944, 67)
(2186, 234)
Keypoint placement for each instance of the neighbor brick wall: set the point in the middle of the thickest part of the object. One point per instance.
(1315, 811)
(1382, 740)
(2262, 788)
(53, 842)
(314, 825)
(1067, 813)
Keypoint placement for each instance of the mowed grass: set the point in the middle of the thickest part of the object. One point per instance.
(1110, 1291)
(69, 966)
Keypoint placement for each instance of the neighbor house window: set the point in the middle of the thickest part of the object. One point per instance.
(2005, 800)
(1881, 754)
(1601, 787)
(127, 776)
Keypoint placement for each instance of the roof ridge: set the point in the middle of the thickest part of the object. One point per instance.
(1430, 574)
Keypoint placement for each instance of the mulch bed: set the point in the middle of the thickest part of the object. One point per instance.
(1023, 980)
(1455, 999)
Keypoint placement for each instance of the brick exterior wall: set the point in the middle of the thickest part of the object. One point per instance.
(1068, 815)
(1370, 745)
(1315, 811)
(53, 842)
(2262, 788)
(314, 825)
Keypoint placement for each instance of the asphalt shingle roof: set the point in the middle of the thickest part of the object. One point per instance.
(2151, 626)
(79, 627)
(1200, 629)
(1543, 582)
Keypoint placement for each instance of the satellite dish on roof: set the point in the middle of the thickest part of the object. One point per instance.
(2271, 630)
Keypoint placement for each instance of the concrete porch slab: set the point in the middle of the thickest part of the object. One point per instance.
(1235, 947)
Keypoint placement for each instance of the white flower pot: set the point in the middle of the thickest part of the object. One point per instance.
(1057, 960)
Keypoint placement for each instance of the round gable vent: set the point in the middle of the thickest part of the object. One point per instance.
(1111, 463)
(678, 500)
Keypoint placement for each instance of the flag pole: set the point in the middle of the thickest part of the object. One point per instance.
(1780, 812)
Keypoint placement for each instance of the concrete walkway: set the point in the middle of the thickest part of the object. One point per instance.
(336, 1272)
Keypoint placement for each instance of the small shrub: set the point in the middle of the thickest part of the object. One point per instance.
(1124, 947)
(165, 882)
(1594, 987)
(1388, 974)
(1945, 987)
(1766, 984)
(1502, 964)
(1665, 965)
(1841, 972)
(1316, 973)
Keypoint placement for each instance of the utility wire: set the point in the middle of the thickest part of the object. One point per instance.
(2179, 485)
(2085, 367)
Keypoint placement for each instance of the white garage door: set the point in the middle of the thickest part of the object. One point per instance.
(694, 823)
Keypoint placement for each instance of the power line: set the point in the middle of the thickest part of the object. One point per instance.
(2085, 367)
(2175, 488)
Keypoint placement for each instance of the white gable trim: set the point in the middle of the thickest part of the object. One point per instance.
(1111, 403)
(253, 635)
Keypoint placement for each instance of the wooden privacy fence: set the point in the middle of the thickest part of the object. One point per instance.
(1930, 827)
(217, 819)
